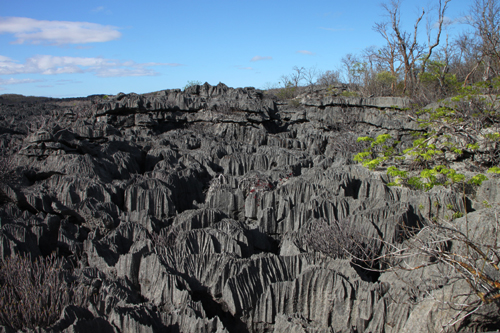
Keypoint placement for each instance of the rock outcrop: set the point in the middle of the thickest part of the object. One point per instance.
(196, 211)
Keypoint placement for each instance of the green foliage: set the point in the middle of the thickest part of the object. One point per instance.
(349, 94)
(384, 84)
(288, 92)
(437, 77)
(477, 179)
(385, 78)
(357, 71)
(456, 127)
(191, 83)
(494, 169)
(381, 149)
(331, 90)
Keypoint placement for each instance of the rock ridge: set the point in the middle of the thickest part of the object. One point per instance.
(193, 211)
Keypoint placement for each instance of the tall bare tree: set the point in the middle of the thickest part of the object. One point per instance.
(297, 75)
(405, 43)
(389, 55)
(351, 64)
(310, 75)
(432, 45)
(484, 18)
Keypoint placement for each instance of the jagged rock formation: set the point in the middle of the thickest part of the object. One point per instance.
(191, 211)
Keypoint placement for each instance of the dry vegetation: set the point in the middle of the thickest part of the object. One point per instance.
(34, 292)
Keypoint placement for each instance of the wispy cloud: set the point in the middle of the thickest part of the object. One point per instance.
(305, 52)
(448, 22)
(101, 9)
(51, 65)
(337, 29)
(170, 64)
(259, 58)
(463, 19)
(17, 81)
(65, 82)
(98, 9)
(27, 30)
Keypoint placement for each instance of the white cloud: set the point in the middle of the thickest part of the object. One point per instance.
(27, 30)
(258, 58)
(246, 68)
(305, 52)
(17, 81)
(51, 65)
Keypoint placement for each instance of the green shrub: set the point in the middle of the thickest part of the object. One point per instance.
(465, 129)
(349, 94)
(457, 128)
(192, 83)
(385, 78)
(288, 92)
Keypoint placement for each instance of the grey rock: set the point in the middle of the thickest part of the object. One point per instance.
(194, 211)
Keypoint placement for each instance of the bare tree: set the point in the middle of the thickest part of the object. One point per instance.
(328, 78)
(349, 62)
(432, 45)
(285, 80)
(310, 75)
(388, 55)
(297, 75)
(379, 75)
(407, 45)
(484, 18)
(468, 58)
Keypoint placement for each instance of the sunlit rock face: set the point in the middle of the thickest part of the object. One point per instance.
(199, 211)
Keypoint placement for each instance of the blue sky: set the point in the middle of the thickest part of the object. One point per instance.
(78, 48)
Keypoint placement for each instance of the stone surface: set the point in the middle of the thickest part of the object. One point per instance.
(195, 211)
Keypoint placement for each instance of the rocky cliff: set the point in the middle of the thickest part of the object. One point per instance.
(198, 211)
